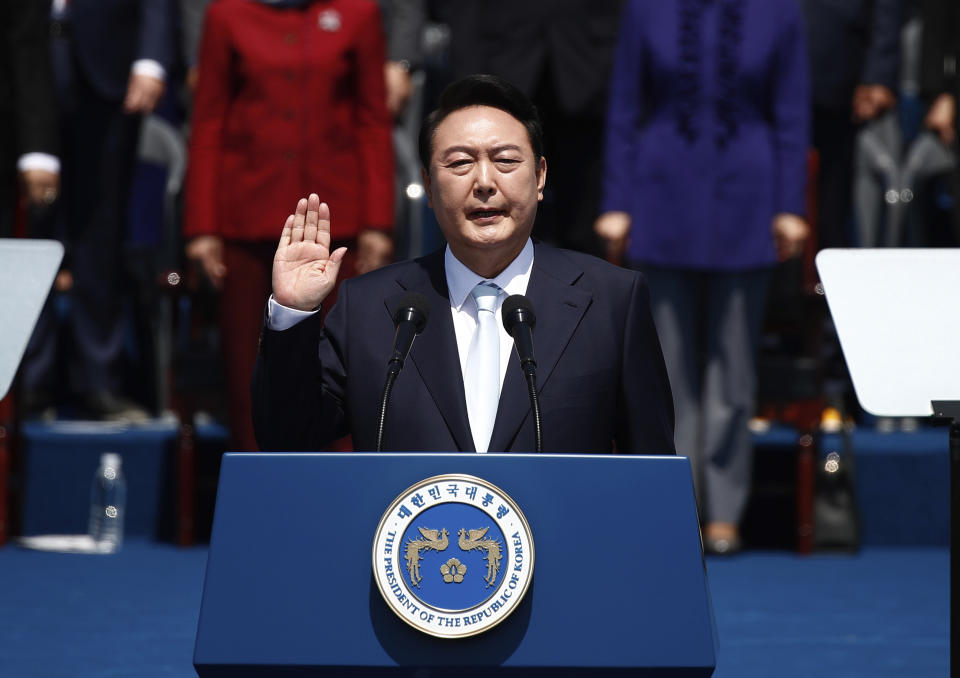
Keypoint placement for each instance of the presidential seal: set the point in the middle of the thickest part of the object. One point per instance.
(453, 556)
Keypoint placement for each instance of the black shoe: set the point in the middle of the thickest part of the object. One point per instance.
(106, 406)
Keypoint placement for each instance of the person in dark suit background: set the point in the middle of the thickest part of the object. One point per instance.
(560, 54)
(854, 60)
(602, 381)
(110, 60)
(28, 111)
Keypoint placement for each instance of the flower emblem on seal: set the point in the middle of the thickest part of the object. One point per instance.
(453, 571)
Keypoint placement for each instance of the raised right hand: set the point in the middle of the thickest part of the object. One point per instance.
(304, 269)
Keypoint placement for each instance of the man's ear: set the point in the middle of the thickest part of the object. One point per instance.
(425, 176)
(541, 177)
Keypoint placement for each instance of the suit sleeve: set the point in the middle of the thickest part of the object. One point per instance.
(210, 103)
(791, 115)
(645, 417)
(33, 95)
(157, 34)
(374, 125)
(623, 113)
(882, 63)
(404, 21)
(299, 383)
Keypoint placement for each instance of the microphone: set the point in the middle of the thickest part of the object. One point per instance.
(519, 320)
(409, 317)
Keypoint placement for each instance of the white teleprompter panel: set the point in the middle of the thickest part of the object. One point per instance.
(27, 270)
(897, 314)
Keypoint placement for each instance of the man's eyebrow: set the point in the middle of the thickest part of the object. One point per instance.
(506, 147)
(471, 150)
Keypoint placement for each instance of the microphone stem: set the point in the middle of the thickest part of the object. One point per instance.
(531, 374)
(392, 371)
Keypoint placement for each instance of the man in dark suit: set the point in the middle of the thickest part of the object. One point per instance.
(602, 382)
(110, 59)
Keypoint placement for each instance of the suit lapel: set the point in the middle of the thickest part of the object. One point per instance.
(434, 352)
(559, 307)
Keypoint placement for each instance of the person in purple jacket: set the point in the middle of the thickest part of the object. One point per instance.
(704, 183)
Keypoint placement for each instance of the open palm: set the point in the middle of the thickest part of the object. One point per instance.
(304, 269)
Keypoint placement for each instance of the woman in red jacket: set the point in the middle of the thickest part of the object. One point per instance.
(289, 101)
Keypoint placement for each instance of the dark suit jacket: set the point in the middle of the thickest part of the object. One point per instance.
(109, 35)
(28, 111)
(601, 375)
(518, 39)
(851, 42)
(28, 108)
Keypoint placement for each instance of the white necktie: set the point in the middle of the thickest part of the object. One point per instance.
(483, 367)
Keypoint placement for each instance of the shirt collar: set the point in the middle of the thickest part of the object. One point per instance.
(512, 280)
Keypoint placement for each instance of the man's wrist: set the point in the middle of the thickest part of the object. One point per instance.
(280, 317)
(149, 67)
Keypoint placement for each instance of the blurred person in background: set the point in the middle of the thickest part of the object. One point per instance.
(854, 48)
(559, 53)
(110, 60)
(403, 22)
(290, 99)
(704, 181)
(28, 110)
(903, 159)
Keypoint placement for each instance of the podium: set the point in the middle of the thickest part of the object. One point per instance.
(618, 585)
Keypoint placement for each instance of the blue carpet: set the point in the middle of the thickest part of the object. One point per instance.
(133, 613)
(881, 614)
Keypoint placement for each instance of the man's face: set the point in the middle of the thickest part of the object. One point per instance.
(484, 185)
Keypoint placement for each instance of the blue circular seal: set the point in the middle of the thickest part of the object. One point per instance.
(453, 556)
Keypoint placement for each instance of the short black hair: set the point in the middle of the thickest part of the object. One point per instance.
(481, 90)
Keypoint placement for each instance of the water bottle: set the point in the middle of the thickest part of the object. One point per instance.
(108, 498)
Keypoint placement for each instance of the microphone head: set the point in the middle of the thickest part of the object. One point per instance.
(414, 307)
(517, 309)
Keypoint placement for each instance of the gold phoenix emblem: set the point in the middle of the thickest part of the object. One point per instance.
(470, 540)
(432, 539)
(473, 540)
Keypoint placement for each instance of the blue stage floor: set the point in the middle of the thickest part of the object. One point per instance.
(880, 614)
